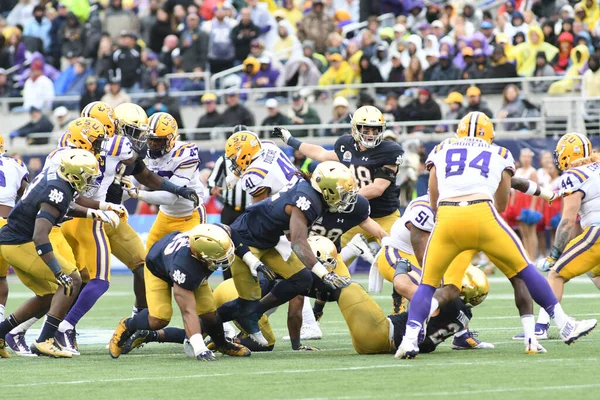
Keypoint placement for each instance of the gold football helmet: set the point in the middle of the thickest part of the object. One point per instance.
(337, 185)
(571, 147)
(368, 117)
(476, 124)
(242, 148)
(80, 168)
(1, 144)
(86, 134)
(324, 250)
(212, 244)
(475, 286)
(162, 134)
(133, 124)
(104, 113)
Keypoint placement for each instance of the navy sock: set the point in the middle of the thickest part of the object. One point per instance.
(138, 322)
(49, 328)
(173, 335)
(8, 325)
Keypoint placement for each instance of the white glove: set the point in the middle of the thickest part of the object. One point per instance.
(231, 180)
(119, 209)
(108, 217)
(129, 187)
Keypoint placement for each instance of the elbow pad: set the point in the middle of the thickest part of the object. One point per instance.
(385, 173)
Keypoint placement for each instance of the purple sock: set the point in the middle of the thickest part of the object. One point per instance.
(420, 304)
(540, 290)
(86, 300)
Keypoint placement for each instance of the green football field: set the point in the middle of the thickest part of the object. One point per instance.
(336, 372)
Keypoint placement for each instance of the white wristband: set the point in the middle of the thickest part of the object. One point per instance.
(319, 270)
(250, 259)
(103, 206)
(197, 342)
(90, 214)
(547, 194)
(532, 188)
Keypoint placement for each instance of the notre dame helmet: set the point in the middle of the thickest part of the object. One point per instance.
(371, 117)
(162, 134)
(86, 134)
(478, 125)
(213, 245)
(324, 250)
(475, 286)
(336, 184)
(242, 148)
(80, 168)
(104, 113)
(571, 147)
(133, 124)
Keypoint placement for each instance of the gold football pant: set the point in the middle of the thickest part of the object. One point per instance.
(164, 224)
(32, 270)
(477, 227)
(369, 327)
(226, 292)
(385, 222)
(126, 245)
(341, 269)
(90, 245)
(581, 255)
(158, 295)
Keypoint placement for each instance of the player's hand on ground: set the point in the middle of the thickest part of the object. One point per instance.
(189, 194)
(308, 348)
(335, 281)
(281, 133)
(66, 282)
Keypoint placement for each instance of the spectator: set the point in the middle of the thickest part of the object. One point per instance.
(392, 107)
(431, 56)
(423, 108)
(316, 26)
(38, 91)
(166, 52)
(526, 52)
(266, 76)
(590, 88)
(221, 51)
(292, 13)
(565, 45)
(549, 35)
(467, 61)
(162, 102)
(94, 32)
(236, 113)
(299, 72)
(302, 114)
(456, 111)
(21, 13)
(147, 22)
(115, 95)
(71, 81)
(159, 30)
(397, 71)
(369, 73)
(72, 37)
(500, 68)
(414, 72)
(194, 42)
(341, 115)
(512, 107)
(339, 73)
(308, 49)
(286, 45)
(444, 71)
(579, 57)
(243, 34)
(16, 49)
(39, 123)
(211, 119)
(274, 116)
(91, 93)
(61, 116)
(471, 15)
(414, 48)
(487, 30)
(479, 69)
(39, 27)
(542, 69)
(117, 20)
(263, 19)
(368, 44)
(127, 59)
(152, 71)
(381, 60)
(475, 103)
(416, 15)
(5, 84)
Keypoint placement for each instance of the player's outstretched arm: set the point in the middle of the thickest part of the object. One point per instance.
(316, 152)
(187, 304)
(155, 182)
(373, 228)
(531, 188)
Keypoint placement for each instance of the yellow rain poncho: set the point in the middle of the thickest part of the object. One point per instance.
(579, 57)
(525, 53)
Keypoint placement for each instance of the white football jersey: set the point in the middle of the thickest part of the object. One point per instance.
(469, 166)
(417, 213)
(181, 167)
(272, 169)
(585, 179)
(12, 173)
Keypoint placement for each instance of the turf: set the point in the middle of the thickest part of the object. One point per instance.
(336, 372)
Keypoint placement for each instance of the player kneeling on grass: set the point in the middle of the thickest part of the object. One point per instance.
(183, 261)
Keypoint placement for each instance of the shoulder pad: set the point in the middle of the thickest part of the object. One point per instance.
(120, 146)
(571, 181)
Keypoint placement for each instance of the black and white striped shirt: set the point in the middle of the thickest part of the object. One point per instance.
(235, 197)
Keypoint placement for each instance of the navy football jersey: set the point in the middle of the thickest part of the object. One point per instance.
(171, 260)
(263, 223)
(47, 187)
(364, 166)
(334, 225)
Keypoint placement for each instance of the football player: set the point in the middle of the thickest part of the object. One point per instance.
(183, 261)
(25, 245)
(469, 184)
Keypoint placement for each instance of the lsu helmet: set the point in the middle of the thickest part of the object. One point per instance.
(368, 116)
(213, 245)
(475, 286)
(162, 134)
(571, 147)
(133, 124)
(1, 144)
(478, 125)
(337, 185)
(86, 134)
(325, 251)
(242, 148)
(104, 113)
(80, 168)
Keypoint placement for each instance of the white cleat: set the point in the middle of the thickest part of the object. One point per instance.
(360, 243)
(309, 332)
(407, 350)
(573, 329)
(533, 347)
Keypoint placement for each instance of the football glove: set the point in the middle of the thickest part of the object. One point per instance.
(129, 187)
(189, 194)
(119, 209)
(108, 217)
(318, 310)
(281, 133)
(260, 267)
(308, 348)
(551, 259)
(66, 282)
(335, 281)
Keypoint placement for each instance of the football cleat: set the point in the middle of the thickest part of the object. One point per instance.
(234, 350)
(3, 352)
(249, 323)
(206, 356)
(137, 340)
(308, 332)
(67, 341)
(573, 330)
(119, 337)
(360, 244)
(468, 341)
(18, 345)
(533, 347)
(398, 303)
(49, 348)
(541, 332)
(259, 338)
(407, 350)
